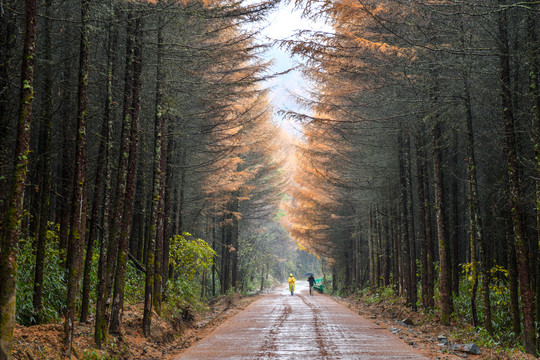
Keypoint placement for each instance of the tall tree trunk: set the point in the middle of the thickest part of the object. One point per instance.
(159, 163)
(529, 330)
(223, 256)
(371, 251)
(378, 246)
(412, 236)
(533, 51)
(355, 257)
(170, 199)
(127, 215)
(78, 218)
(139, 218)
(120, 274)
(9, 236)
(66, 170)
(513, 279)
(487, 260)
(160, 236)
(226, 236)
(235, 264)
(475, 230)
(179, 213)
(102, 181)
(473, 243)
(347, 261)
(454, 216)
(263, 267)
(45, 170)
(475, 220)
(423, 216)
(109, 257)
(153, 248)
(214, 259)
(100, 323)
(429, 243)
(181, 204)
(405, 255)
(149, 264)
(387, 256)
(395, 246)
(8, 36)
(444, 251)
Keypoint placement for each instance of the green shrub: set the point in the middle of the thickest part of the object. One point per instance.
(54, 280)
(500, 303)
(134, 284)
(189, 257)
(383, 293)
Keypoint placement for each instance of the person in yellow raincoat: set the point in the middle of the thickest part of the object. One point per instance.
(292, 280)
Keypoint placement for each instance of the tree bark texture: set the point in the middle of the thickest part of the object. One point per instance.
(45, 149)
(442, 236)
(159, 168)
(154, 242)
(170, 199)
(533, 51)
(454, 216)
(371, 251)
(67, 159)
(127, 216)
(424, 224)
(11, 223)
(412, 233)
(102, 179)
(8, 35)
(111, 254)
(100, 323)
(77, 231)
(405, 255)
(529, 329)
(513, 280)
(387, 257)
(235, 265)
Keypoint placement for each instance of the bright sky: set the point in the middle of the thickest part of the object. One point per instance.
(282, 24)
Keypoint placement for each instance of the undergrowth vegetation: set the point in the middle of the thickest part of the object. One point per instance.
(54, 281)
(500, 308)
(190, 258)
(503, 336)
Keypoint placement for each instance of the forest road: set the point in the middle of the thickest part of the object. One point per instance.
(282, 326)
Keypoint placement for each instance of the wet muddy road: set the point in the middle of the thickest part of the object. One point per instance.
(281, 326)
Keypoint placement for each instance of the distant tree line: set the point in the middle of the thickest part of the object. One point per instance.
(122, 125)
(420, 163)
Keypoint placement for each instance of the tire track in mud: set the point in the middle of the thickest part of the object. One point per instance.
(270, 345)
(325, 348)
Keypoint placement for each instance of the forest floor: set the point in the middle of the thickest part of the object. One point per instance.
(45, 342)
(170, 338)
(426, 331)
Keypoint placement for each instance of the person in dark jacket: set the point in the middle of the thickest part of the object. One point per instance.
(311, 281)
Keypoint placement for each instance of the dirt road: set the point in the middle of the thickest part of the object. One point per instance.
(281, 326)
